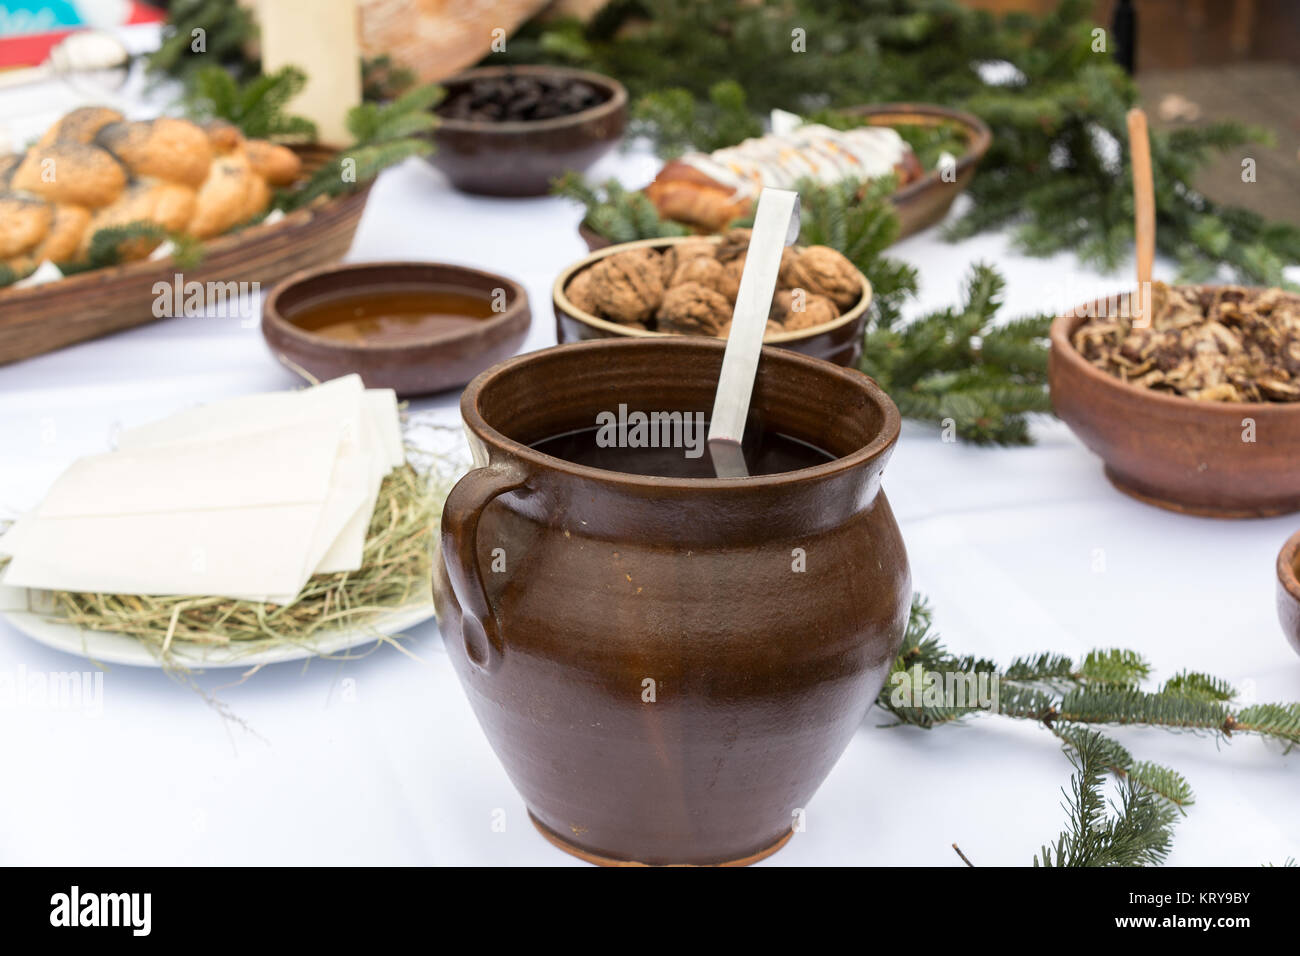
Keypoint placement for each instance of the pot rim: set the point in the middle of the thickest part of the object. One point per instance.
(879, 446)
(1063, 326)
(1288, 574)
(272, 316)
(616, 102)
(562, 301)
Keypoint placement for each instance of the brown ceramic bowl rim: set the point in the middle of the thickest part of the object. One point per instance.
(271, 308)
(617, 100)
(586, 318)
(1287, 571)
(879, 445)
(1064, 325)
(978, 139)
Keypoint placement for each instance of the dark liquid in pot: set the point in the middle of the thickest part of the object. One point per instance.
(393, 316)
(766, 453)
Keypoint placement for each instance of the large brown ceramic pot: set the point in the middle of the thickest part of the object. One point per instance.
(661, 683)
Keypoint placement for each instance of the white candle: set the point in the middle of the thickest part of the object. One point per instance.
(320, 38)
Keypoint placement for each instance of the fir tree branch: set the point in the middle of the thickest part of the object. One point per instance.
(257, 107)
(383, 136)
(1056, 174)
(203, 33)
(955, 367)
(1071, 700)
(1139, 829)
(614, 212)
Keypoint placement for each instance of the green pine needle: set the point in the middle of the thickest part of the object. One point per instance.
(384, 135)
(1071, 700)
(1138, 831)
(202, 33)
(955, 369)
(257, 106)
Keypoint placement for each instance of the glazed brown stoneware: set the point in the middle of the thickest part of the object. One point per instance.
(1288, 590)
(839, 341)
(439, 362)
(1176, 452)
(927, 200)
(661, 684)
(521, 158)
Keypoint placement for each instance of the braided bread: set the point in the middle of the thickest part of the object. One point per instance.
(93, 170)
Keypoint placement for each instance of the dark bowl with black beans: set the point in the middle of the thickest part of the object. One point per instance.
(510, 130)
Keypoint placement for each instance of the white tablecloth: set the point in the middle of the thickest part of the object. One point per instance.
(381, 761)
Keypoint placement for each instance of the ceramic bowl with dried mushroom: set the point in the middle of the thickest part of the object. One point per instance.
(687, 286)
(1200, 411)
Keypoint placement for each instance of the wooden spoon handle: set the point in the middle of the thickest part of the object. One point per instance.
(1144, 198)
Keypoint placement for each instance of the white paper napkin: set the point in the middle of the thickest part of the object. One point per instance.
(245, 498)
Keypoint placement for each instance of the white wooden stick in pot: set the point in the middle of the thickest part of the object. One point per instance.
(776, 225)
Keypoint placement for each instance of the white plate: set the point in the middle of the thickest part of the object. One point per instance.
(109, 648)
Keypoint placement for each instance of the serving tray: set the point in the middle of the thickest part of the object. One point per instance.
(42, 318)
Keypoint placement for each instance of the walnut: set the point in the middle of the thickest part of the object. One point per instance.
(797, 309)
(580, 291)
(677, 253)
(785, 275)
(773, 328)
(697, 246)
(734, 245)
(707, 271)
(731, 273)
(823, 271)
(735, 264)
(693, 308)
(628, 286)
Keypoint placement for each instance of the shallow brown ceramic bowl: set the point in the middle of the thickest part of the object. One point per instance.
(1288, 590)
(442, 361)
(1176, 452)
(839, 341)
(521, 159)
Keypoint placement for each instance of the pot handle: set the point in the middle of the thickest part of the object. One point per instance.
(460, 514)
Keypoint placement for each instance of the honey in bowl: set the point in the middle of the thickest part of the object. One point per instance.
(399, 316)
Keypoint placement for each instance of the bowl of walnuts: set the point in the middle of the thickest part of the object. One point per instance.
(687, 285)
